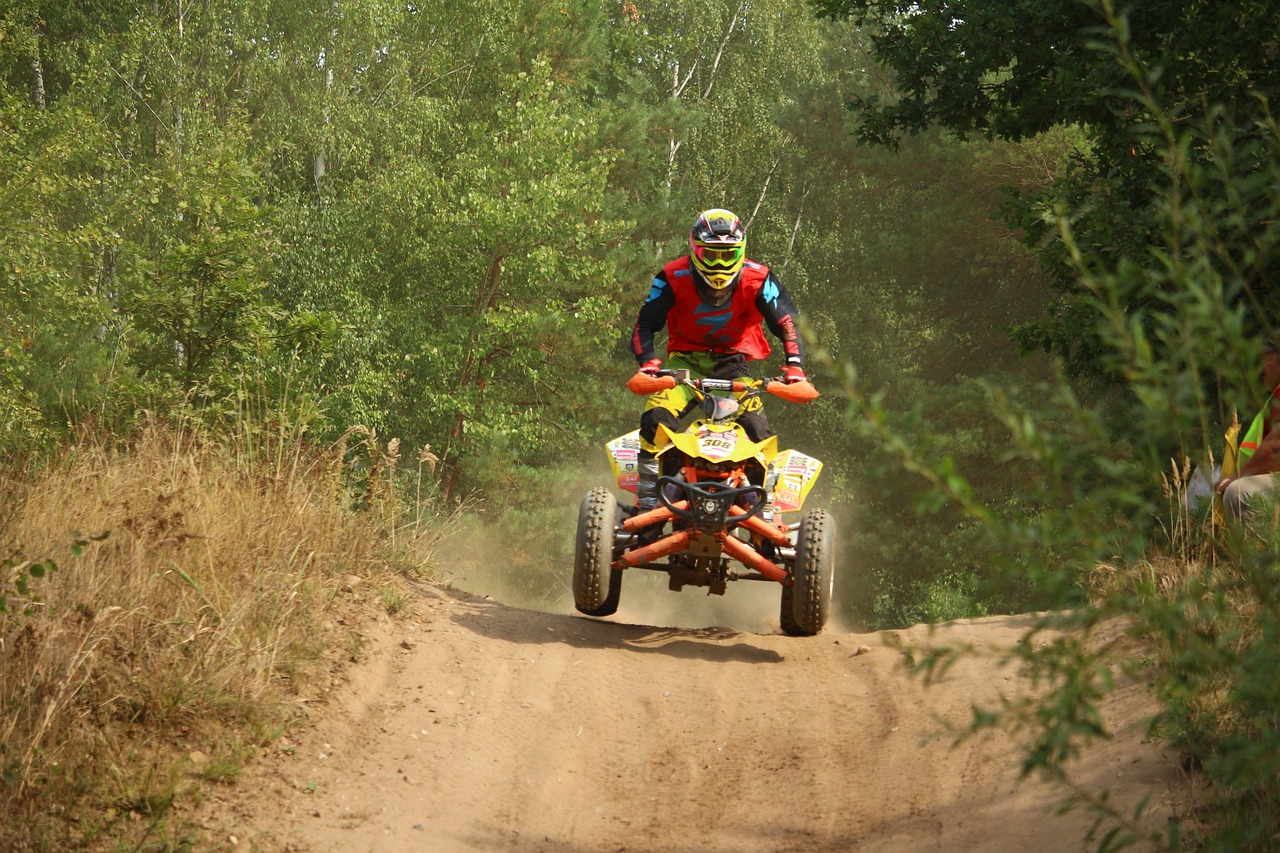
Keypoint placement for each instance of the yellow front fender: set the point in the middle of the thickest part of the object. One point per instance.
(716, 443)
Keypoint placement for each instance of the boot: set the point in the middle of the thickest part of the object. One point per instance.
(647, 486)
(647, 495)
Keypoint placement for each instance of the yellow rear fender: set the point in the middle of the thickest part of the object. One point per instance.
(624, 453)
(796, 473)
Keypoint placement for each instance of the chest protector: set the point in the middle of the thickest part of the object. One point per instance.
(735, 327)
(1252, 438)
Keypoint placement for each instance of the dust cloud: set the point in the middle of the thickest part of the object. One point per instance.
(523, 557)
(518, 572)
(525, 561)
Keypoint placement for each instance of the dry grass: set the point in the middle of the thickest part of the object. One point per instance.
(216, 607)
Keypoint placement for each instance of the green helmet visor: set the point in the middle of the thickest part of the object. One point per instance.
(727, 258)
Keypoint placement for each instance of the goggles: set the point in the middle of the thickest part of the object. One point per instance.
(728, 258)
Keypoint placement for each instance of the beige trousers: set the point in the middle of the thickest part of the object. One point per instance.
(1239, 494)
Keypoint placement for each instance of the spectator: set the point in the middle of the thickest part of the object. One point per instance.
(1258, 458)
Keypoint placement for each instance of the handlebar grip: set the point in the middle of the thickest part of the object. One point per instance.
(796, 392)
(644, 384)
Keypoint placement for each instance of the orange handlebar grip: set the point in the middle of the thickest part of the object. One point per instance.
(796, 392)
(644, 384)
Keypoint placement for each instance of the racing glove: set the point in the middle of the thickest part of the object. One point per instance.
(793, 373)
(651, 367)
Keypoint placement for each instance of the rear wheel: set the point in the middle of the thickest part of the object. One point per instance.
(597, 586)
(806, 604)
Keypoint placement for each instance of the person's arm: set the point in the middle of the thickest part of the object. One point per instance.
(779, 312)
(652, 319)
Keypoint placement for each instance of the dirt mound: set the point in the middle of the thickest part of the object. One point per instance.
(472, 726)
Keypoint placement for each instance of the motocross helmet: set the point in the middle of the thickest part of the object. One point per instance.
(717, 251)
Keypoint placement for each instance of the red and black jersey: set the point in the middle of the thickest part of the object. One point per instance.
(734, 327)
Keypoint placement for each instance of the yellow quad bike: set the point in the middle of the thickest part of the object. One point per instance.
(722, 495)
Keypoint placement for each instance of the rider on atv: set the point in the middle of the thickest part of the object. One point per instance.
(713, 302)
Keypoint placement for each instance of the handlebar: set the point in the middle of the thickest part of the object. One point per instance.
(795, 392)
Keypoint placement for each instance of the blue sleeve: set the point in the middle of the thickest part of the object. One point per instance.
(779, 312)
(652, 318)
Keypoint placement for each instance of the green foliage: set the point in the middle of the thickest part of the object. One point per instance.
(303, 197)
(437, 223)
(1087, 529)
(195, 294)
(1218, 684)
(1011, 71)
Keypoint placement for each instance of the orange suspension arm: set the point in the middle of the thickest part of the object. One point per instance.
(670, 545)
(657, 515)
(750, 557)
(756, 524)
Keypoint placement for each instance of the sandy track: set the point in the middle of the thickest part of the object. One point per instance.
(475, 727)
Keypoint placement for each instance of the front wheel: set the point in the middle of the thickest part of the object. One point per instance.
(597, 586)
(806, 604)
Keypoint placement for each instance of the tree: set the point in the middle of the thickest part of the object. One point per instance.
(1012, 71)
(57, 360)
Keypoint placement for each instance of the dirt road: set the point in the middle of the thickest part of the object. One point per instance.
(472, 726)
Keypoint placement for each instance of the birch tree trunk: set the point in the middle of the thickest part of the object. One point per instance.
(319, 165)
(37, 73)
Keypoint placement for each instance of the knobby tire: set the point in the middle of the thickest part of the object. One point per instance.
(806, 604)
(597, 586)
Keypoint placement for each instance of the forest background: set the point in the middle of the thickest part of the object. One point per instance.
(1033, 244)
(438, 222)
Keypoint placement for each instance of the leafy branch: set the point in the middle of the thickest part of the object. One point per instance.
(19, 573)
